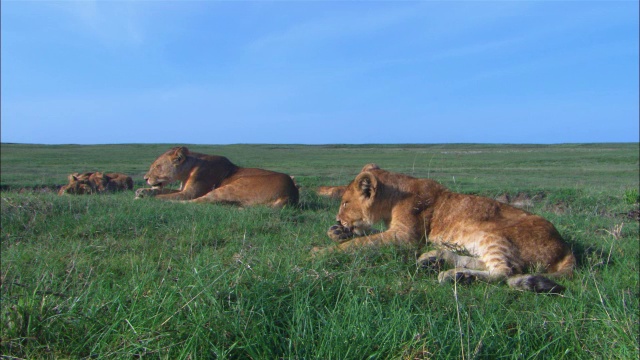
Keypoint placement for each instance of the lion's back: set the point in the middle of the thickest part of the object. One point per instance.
(479, 222)
(260, 185)
(120, 181)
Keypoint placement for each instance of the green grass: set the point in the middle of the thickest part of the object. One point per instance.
(108, 276)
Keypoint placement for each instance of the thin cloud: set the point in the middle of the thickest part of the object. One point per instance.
(332, 27)
(114, 23)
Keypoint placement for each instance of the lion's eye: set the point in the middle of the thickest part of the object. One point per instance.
(344, 204)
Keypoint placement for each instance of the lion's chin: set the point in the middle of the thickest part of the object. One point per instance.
(159, 183)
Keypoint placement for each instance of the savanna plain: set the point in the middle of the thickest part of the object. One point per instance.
(109, 277)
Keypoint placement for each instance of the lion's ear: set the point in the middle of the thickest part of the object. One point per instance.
(184, 150)
(370, 166)
(367, 184)
(180, 154)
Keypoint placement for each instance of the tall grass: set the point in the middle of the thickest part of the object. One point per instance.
(108, 276)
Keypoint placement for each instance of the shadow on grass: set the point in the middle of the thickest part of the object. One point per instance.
(589, 255)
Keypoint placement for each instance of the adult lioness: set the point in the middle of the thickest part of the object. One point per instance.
(504, 242)
(210, 178)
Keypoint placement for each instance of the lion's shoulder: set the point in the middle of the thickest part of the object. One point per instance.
(179, 164)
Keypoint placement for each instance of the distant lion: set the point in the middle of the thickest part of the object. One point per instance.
(334, 192)
(503, 242)
(211, 178)
(75, 187)
(96, 182)
(109, 182)
(78, 184)
(80, 176)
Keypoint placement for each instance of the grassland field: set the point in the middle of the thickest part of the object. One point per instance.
(109, 277)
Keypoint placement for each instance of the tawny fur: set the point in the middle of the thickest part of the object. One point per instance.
(504, 242)
(334, 192)
(211, 178)
(111, 181)
(96, 182)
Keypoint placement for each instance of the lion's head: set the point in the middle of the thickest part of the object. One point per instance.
(81, 177)
(357, 210)
(76, 187)
(168, 167)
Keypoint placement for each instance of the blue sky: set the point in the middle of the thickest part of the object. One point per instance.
(319, 72)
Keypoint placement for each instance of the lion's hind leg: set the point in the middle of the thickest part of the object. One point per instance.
(440, 257)
(466, 269)
(466, 276)
(230, 194)
(536, 283)
(498, 262)
(525, 282)
(215, 196)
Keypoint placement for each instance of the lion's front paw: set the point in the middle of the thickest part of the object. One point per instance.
(339, 233)
(145, 192)
(431, 260)
(457, 275)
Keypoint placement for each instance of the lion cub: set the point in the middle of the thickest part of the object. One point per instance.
(504, 242)
(210, 178)
(96, 182)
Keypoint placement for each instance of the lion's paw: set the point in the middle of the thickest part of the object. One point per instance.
(339, 233)
(431, 260)
(456, 275)
(145, 192)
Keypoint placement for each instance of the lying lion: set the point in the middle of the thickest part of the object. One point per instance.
(504, 242)
(111, 181)
(78, 185)
(333, 192)
(210, 178)
(96, 182)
